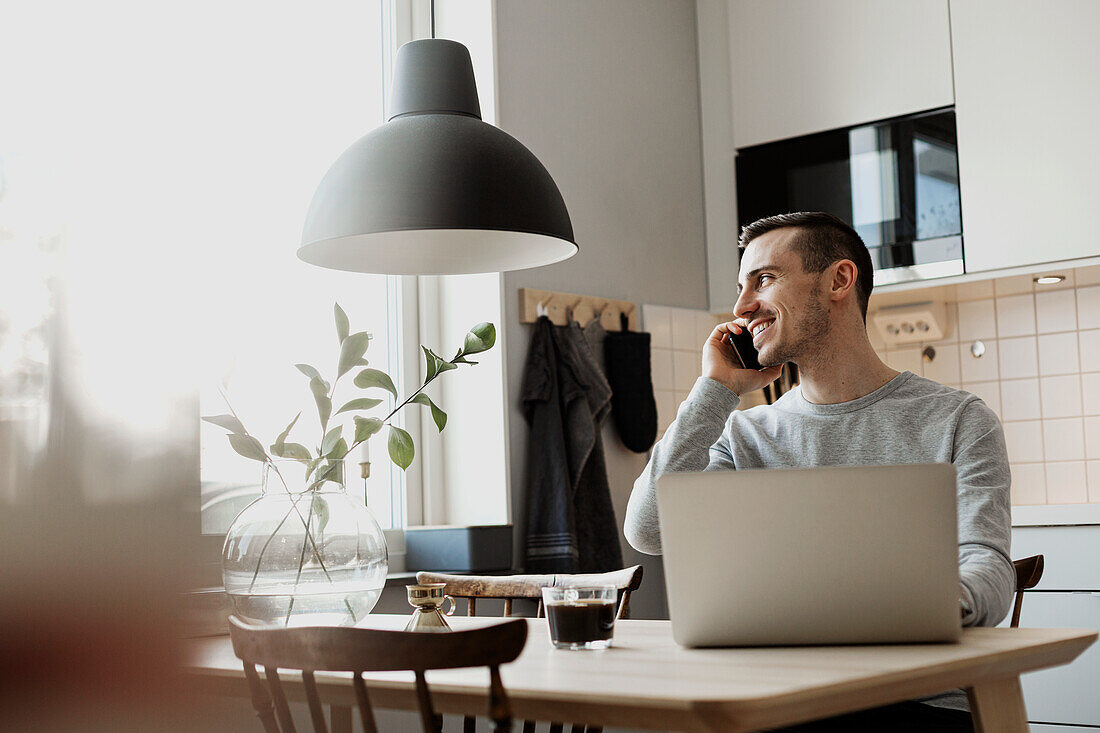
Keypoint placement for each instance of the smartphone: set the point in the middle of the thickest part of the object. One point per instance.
(746, 352)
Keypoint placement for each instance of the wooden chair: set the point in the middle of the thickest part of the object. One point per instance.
(515, 587)
(341, 649)
(1029, 571)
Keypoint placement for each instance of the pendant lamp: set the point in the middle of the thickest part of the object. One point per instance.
(435, 190)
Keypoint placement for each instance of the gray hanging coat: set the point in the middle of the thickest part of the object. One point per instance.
(571, 524)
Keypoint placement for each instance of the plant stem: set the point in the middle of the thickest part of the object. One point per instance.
(301, 564)
(256, 572)
(293, 508)
(414, 394)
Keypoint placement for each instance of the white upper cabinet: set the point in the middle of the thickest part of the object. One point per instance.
(1027, 88)
(803, 66)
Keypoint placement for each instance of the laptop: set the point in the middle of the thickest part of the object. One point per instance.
(838, 555)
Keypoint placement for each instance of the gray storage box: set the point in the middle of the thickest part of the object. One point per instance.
(450, 548)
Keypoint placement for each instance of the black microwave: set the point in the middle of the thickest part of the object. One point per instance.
(896, 182)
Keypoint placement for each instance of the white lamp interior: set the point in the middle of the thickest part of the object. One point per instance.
(437, 251)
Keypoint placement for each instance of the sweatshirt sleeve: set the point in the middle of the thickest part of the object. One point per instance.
(693, 442)
(985, 517)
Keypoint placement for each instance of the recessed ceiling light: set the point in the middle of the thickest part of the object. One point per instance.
(1049, 279)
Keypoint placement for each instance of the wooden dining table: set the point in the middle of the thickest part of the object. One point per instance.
(647, 681)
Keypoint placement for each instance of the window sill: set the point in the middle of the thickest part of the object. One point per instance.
(203, 611)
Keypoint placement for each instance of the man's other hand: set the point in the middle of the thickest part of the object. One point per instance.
(721, 364)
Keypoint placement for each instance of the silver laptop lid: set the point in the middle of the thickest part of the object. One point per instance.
(838, 555)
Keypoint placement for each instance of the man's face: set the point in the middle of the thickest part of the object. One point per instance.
(784, 306)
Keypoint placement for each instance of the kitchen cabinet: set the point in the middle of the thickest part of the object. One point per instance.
(1064, 694)
(1071, 555)
(803, 66)
(1027, 97)
(1068, 596)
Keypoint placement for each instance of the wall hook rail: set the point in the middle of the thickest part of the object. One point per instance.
(560, 307)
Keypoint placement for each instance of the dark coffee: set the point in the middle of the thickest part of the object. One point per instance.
(576, 622)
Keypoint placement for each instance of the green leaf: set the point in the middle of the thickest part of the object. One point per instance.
(401, 447)
(438, 415)
(320, 511)
(320, 395)
(326, 471)
(339, 450)
(309, 371)
(375, 378)
(283, 435)
(248, 447)
(480, 338)
(431, 363)
(330, 439)
(362, 403)
(366, 427)
(342, 326)
(351, 351)
(228, 422)
(435, 364)
(296, 451)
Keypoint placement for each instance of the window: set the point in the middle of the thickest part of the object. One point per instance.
(159, 169)
(291, 86)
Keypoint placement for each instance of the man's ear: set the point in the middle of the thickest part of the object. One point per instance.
(844, 276)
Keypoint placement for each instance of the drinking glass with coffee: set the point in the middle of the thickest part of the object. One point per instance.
(580, 617)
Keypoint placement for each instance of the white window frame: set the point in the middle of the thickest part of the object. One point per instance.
(402, 21)
(438, 490)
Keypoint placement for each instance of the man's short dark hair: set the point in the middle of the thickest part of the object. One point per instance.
(822, 240)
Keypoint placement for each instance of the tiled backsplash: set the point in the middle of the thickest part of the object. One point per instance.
(676, 347)
(1040, 371)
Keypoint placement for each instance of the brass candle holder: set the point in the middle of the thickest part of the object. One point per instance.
(428, 600)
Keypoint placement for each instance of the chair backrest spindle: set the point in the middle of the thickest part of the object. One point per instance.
(499, 710)
(430, 721)
(282, 709)
(1029, 571)
(316, 711)
(261, 699)
(366, 712)
(333, 649)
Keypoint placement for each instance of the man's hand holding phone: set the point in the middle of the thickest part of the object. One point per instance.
(722, 363)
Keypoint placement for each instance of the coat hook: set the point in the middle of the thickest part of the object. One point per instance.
(542, 310)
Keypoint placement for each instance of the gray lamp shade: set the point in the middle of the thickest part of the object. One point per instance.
(435, 190)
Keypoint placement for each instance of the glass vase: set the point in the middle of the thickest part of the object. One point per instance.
(304, 553)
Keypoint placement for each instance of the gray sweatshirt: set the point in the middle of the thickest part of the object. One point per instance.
(908, 420)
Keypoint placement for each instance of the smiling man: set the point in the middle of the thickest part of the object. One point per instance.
(804, 284)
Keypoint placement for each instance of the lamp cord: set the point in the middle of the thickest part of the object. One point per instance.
(431, 18)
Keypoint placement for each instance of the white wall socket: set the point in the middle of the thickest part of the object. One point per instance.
(905, 324)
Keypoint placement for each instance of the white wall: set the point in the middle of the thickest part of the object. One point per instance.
(716, 113)
(607, 96)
